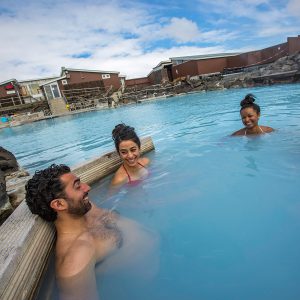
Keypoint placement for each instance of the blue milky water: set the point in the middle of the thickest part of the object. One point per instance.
(226, 210)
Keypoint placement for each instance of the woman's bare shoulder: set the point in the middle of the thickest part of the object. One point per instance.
(145, 161)
(239, 132)
(267, 128)
(119, 178)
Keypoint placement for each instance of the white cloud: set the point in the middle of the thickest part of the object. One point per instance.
(259, 18)
(39, 37)
(293, 7)
(277, 30)
(181, 30)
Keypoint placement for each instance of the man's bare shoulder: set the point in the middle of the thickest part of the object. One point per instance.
(75, 256)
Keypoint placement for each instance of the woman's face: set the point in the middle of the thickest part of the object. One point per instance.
(129, 152)
(249, 117)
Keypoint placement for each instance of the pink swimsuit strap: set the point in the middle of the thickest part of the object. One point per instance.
(129, 178)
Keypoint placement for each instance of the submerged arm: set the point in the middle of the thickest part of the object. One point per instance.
(76, 274)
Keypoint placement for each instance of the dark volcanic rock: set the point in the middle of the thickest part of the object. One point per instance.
(5, 206)
(12, 181)
(8, 162)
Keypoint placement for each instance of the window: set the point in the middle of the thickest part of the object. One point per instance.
(34, 88)
(105, 76)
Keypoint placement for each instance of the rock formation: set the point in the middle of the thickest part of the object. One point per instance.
(12, 180)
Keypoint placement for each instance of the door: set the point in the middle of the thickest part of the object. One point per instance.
(52, 91)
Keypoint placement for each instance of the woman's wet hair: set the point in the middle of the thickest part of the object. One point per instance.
(123, 132)
(248, 101)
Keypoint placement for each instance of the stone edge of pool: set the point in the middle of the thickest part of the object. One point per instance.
(26, 240)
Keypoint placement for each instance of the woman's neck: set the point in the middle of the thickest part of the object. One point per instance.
(254, 130)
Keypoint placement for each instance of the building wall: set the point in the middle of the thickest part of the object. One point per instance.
(187, 68)
(293, 44)
(263, 56)
(80, 77)
(114, 80)
(155, 77)
(198, 67)
(138, 82)
(212, 65)
(8, 98)
(8, 93)
(3, 91)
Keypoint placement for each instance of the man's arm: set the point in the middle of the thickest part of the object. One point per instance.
(76, 273)
(139, 251)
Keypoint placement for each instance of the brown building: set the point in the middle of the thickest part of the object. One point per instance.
(162, 73)
(10, 94)
(189, 66)
(81, 79)
(199, 64)
(138, 83)
(77, 76)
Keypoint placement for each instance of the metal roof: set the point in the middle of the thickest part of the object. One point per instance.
(204, 56)
(55, 79)
(63, 70)
(8, 81)
(38, 79)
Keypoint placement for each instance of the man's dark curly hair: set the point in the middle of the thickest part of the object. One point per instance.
(42, 188)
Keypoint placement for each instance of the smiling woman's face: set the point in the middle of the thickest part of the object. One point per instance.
(249, 117)
(129, 152)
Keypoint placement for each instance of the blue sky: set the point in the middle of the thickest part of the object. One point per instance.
(132, 37)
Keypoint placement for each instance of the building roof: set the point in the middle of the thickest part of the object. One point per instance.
(63, 70)
(161, 65)
(8, 81)
(38, 79)
(204, 56)
(53, 80)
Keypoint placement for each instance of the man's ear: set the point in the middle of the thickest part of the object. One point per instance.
(58, 204)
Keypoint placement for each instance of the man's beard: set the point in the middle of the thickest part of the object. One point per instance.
(80, 209)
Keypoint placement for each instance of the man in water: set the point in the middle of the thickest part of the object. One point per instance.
(86, 234)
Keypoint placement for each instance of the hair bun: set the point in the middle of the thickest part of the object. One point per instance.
(249, 99)
(121, 130)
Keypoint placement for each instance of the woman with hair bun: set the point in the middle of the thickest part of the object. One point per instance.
(250, 113)
(133, 170)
